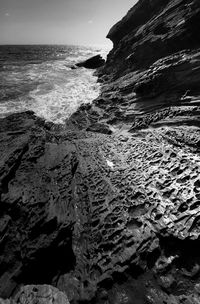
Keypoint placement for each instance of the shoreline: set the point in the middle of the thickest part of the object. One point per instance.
(50, 87)
(106, 209)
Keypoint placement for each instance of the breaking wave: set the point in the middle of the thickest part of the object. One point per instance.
(40, 79)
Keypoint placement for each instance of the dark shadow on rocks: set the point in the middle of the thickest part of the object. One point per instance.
(91, 63)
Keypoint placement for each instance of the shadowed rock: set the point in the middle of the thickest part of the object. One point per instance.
(92, 63)
(99, 128)
(152, 30)
(113, 218)
(39, 294)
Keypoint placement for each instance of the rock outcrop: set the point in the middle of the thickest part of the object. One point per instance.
(107, 208)
(153, 67)
(112, 217)
(91, 63)
(153, 29)
(40, 294)
(35, 241)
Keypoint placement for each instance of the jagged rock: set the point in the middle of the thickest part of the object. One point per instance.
(89, 211)
(40, 294)
(35, 236)
(165, 93)
(113, 218)
(152, 30)
(153, 68)
(74, 67)
(100, 128)
(92, 63)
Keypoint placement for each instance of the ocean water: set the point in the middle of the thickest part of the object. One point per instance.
(39, 78)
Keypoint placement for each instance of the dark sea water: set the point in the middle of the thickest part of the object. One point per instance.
(39, 78)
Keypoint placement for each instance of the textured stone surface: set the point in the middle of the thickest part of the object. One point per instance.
(153, 29)
(107, 208)
(40, 294)
(35, 241)
(167, 92)
(87, 212)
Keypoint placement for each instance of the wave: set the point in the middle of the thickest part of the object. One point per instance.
(47, 86)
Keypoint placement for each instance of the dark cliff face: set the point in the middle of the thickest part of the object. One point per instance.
(153, 29)
(107, 209)
(142, 12)
(154, 63)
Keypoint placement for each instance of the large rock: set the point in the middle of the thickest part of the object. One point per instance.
(92, 63)
(168, 89)
(40, 294)
(35, 233)
(113, 218)
(154, 65)
(108, 218)
(152, 30)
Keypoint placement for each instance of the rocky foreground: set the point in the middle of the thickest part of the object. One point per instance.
(107, 209)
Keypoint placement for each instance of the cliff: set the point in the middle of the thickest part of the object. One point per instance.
(153, 29)
(107, 208)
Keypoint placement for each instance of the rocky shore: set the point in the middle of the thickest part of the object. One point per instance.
(107, 208)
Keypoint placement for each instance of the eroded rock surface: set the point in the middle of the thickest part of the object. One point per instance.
(108, 216)
(153, 29)
(107, 208)
(40, 294)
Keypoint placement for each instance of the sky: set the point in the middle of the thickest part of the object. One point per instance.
(79, 22)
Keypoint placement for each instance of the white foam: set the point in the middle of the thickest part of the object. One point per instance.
(51, 88)
(59, 103)
(56, 101)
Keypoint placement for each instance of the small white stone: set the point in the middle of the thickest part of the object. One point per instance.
(110, 164)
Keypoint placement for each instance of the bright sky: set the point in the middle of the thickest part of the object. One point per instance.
(83, 22)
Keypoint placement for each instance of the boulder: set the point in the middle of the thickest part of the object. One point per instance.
(112, 219)
(92, 63)
(39, 294)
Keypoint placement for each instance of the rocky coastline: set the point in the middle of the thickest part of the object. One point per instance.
(106, 210)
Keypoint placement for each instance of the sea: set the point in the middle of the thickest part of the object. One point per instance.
(40, 78)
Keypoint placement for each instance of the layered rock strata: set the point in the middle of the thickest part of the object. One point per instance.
(111, 216)
(107, 208)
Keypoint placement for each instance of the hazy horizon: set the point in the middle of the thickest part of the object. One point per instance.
(72, 22)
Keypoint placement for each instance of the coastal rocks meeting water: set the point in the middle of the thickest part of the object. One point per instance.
(107, 208)
(91, 63)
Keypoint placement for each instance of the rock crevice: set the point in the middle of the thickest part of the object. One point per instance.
(107, 209)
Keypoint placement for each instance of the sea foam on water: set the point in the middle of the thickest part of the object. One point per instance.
(39, 78)
(60, 102)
